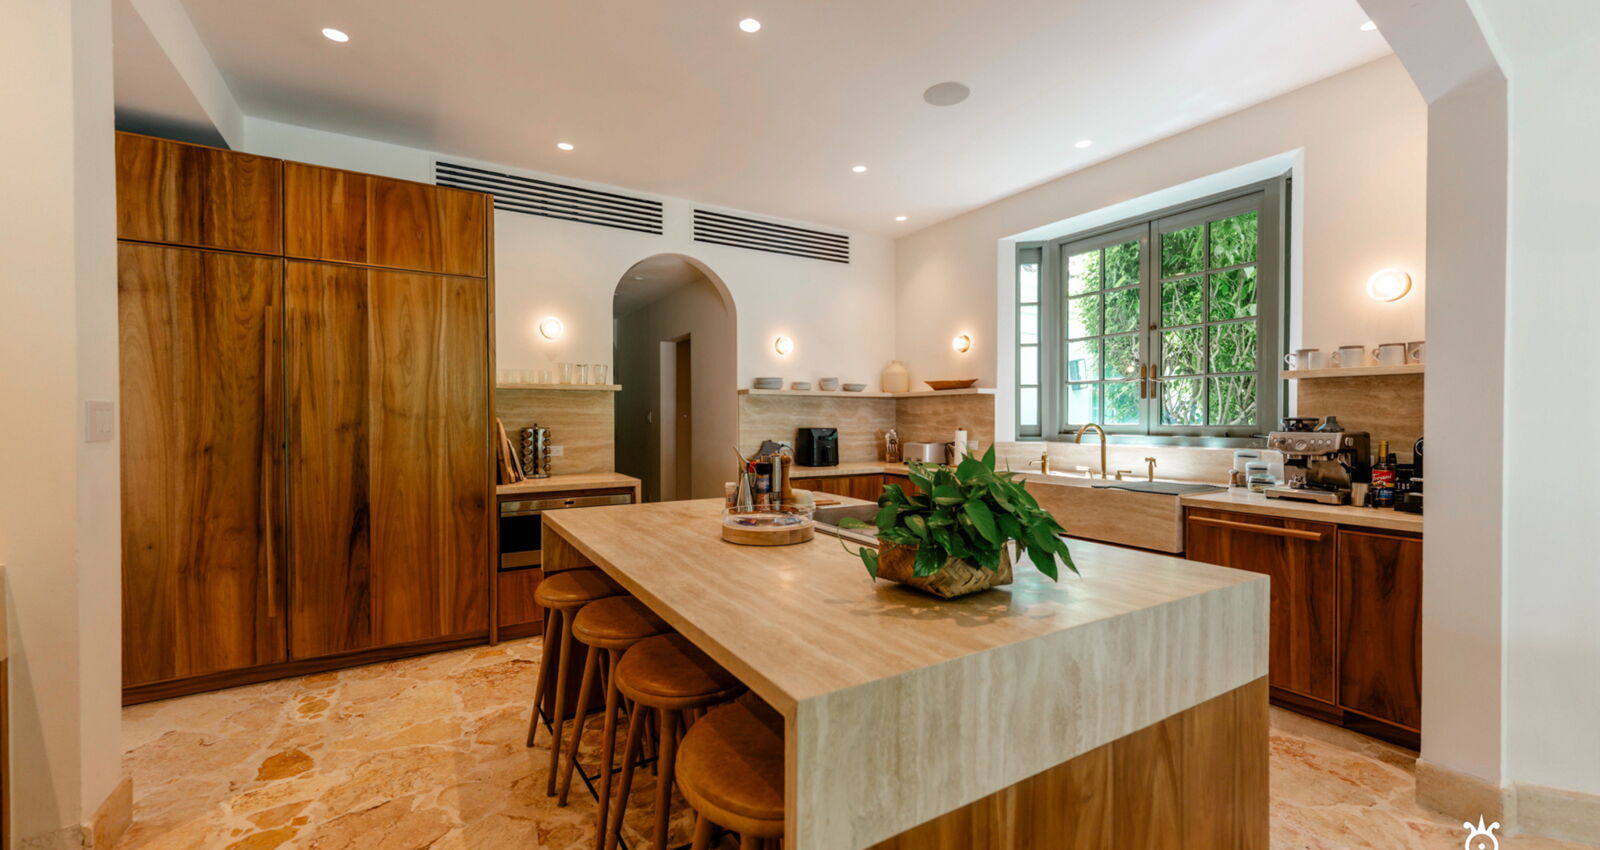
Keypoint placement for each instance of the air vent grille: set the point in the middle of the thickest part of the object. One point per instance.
(723, 229)
(553, 200)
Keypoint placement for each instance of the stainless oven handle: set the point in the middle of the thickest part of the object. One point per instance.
(534, 507)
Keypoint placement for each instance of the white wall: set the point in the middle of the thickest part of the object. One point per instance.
(59, 515)
(699, 311)
(1552, 573)
(837, 314)
(1361, 139)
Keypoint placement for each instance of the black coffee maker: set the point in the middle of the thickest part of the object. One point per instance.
(817, 447)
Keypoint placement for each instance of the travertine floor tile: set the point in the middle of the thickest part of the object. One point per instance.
(428, 752)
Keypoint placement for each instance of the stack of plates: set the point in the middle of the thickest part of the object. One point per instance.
(769, 383)
(800, 385)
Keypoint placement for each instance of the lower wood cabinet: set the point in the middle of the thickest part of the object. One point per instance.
(1380, 626)
(1346, 615)
(1300, 559)
(868, 487)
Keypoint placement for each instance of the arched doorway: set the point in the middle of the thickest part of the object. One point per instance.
(675, 351)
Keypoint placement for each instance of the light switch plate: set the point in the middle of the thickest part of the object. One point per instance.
(555, 451)
(100, 421)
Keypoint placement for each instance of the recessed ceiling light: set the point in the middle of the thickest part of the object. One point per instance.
(1368, 26)
(946, 94)
(750, 25)
(335, 35)
(566, 146)
(899, 218)
(1082, 143)
(858, 168)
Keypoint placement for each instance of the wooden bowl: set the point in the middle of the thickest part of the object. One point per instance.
(952, 385)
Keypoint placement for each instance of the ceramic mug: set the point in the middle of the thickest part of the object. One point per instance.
(1390, 354)
(1414, 352)
(1304, 358)
(1350, 355)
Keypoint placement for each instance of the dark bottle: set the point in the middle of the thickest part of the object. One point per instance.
(1383, 477)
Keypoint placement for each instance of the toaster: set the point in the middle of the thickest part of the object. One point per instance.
(922, 452)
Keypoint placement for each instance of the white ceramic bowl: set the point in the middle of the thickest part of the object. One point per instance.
(854, 388)
(828, 384)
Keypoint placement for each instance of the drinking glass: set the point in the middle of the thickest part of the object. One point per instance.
(580, 374)
(600, 370)
(566, 372)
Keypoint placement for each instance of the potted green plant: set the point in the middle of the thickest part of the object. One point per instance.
(955, 534)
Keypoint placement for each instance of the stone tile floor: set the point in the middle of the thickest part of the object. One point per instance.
(428, 753)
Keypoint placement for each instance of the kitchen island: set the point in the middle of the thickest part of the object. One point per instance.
(1126, 707)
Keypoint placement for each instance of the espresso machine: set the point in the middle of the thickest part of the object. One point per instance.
(1320, 466)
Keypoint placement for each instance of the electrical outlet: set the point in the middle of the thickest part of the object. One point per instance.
(555, 451)
(99, 422)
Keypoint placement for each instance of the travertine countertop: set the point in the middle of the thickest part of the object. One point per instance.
(575, 481)
(849, 468)
(977, 693)
(1245, 502)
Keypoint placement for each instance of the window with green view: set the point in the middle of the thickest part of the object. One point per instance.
(1164, 326)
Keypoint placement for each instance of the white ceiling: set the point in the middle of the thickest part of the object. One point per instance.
(151, 96)
(652, 279)
(673, 98)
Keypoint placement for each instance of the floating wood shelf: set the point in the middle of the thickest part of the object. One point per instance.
(1352, 372)
(842, 393)
(600, 388)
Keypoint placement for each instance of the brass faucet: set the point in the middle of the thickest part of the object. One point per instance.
(1149, 469)
(1102, 432)
(1043, 462)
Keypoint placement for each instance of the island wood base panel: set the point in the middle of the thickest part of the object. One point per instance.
(1195, 780)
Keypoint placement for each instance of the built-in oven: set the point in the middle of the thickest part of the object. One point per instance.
(522, 522)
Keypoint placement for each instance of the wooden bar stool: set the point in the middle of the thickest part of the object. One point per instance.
(730, 769)
(611, 626)
(561, 595)
(666, 676)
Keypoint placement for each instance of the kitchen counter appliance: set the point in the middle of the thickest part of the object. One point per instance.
(1321, 465)
(923, 452)
(817, 447)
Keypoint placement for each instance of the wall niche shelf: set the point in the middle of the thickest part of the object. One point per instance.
(843, 394)
(1352, 372)
(593, 388)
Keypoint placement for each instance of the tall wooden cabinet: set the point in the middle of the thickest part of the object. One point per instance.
(307, 479)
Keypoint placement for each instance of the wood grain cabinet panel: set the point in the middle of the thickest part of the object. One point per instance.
(346, 217)
(201, 461)
(389, 500)
(1300, 558)
(182, 194)
(1380, 626)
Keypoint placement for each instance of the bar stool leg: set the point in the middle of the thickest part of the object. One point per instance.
(591, 669)
(558, 715)
(546, 655)
(608, 744)
(702, 833)
(664, 771)
(630, 752)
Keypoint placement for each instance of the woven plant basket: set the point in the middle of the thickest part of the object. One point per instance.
(956, 578)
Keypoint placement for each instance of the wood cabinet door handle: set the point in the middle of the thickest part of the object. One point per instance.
(1270, 531)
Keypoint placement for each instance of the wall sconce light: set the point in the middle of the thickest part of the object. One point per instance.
(551, 328)
(962, 343)
(783, 345)
(1388, 285)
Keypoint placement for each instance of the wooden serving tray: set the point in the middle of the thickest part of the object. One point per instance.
(784, 536)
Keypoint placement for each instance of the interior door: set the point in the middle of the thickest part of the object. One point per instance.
(202, 436)
(389, 501)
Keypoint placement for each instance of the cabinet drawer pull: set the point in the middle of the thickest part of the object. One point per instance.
(1270, 531)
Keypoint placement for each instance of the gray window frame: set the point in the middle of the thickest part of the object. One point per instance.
(1270, 198)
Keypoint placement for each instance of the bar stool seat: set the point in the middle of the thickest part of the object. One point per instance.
(670, 672)
(606, 626)
(574, 588)
(730, 769)
(669, 677)
(561, 595)
(617, 622)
